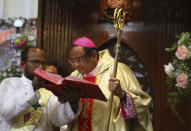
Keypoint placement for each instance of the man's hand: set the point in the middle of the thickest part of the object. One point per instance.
(68, 93)
(73, 93)
(115, 87)
(36, 83)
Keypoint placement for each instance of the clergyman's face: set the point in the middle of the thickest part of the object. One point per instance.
(80, 61)
(36, 58)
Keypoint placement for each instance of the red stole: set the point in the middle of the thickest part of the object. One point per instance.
(84, 120)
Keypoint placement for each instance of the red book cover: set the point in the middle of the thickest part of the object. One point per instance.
(90, 90)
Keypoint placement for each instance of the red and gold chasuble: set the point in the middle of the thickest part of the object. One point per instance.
(84, 120)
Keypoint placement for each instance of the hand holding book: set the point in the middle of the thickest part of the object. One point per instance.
(70, 94)
(60, 86)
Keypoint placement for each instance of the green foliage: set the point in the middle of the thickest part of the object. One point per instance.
(179, 89)
(12, 71)
(8, 22)
(174, 46)
(36, 105)
(169, 81)
(23, 40)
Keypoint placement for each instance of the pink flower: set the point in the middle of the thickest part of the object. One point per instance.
(10, 23)
(33, 22)
(18, 70)
(10, 74)
(182, 53)
(182, 80)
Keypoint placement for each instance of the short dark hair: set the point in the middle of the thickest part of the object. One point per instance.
(55, 64)
(24, 54)
(89, 51)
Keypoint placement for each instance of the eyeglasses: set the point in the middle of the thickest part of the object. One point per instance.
(78, 60)
(37, 62)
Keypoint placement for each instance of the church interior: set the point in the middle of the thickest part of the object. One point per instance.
(150, 28)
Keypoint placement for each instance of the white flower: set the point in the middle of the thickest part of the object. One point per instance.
(33, 43)
(18, 23)
(169, 70)
(9, 69)
(4, 74)
(18, 53)
(31, 38)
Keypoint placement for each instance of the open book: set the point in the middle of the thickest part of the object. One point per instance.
(90, 90)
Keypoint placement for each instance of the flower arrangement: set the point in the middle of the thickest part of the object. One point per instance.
(26, 37)
(179, 72)
(9, 22)
(12, 71)
(23, 42)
